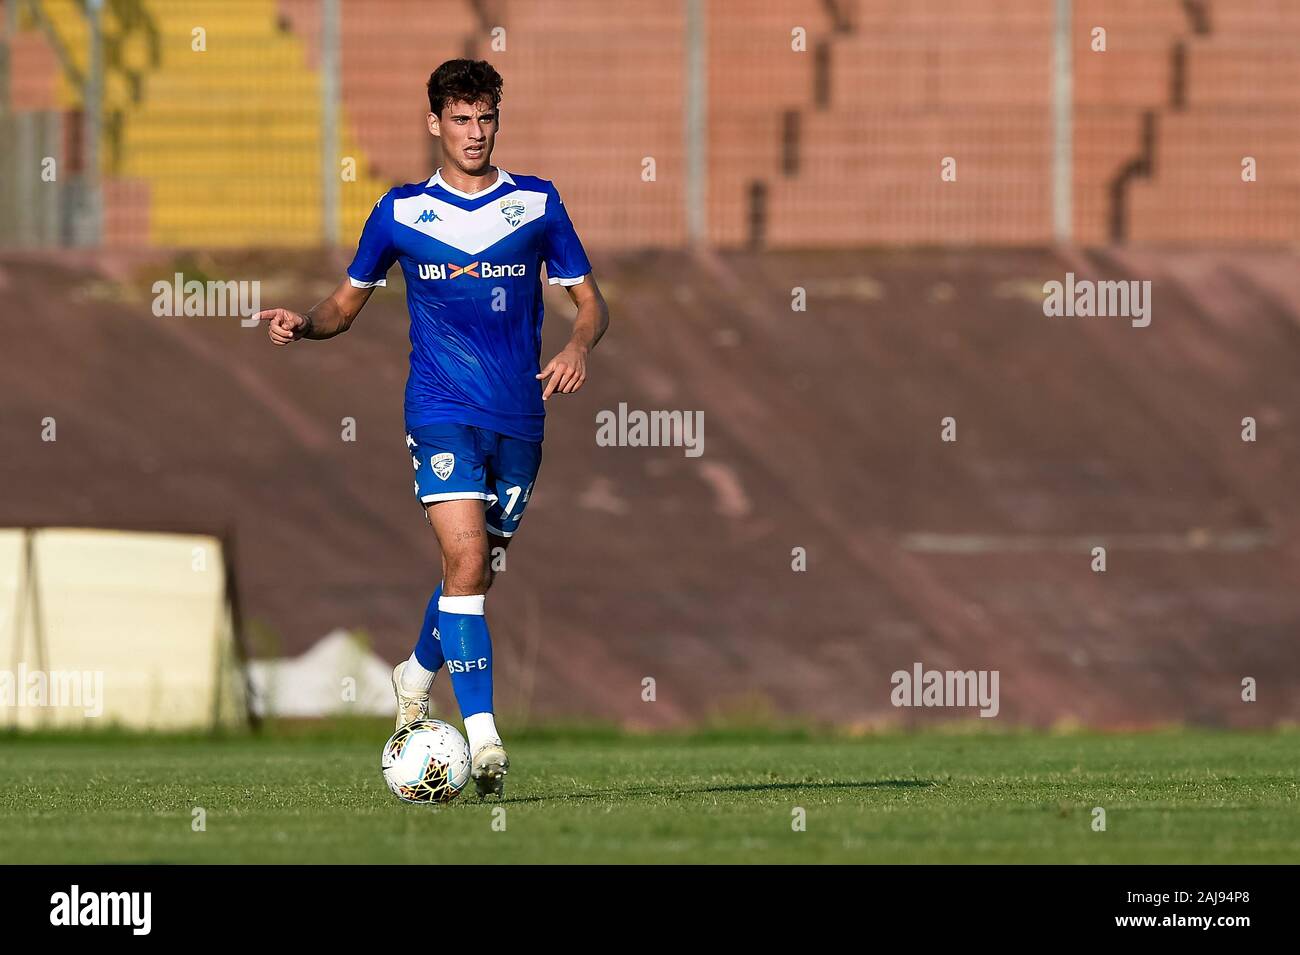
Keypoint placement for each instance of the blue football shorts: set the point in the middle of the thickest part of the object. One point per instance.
(456, 462)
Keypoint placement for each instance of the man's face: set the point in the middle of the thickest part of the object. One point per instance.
(467, 131)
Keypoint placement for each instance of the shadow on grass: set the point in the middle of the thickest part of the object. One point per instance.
(738, 788)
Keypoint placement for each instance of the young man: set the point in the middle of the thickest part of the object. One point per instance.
(470, 241)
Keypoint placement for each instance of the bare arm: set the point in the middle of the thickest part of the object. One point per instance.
(568, 370)
(331, 316)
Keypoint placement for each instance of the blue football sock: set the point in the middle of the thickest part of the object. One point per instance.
(468, 649)
(428, 649)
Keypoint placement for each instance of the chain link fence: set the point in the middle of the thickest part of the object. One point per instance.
(761, 123)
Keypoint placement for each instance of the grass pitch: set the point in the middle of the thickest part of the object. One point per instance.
(591, 796)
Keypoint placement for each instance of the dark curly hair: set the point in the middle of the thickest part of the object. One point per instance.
(468, 81)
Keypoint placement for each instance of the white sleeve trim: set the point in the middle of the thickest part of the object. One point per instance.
(356, 284)
(559, 280)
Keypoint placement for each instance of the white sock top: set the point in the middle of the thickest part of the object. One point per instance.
(415, 678)
(481, 728)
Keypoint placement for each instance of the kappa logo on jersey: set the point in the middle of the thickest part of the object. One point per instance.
(415, 462)
(513, 209)
(474, 270)
(428, 215)
(442, 464)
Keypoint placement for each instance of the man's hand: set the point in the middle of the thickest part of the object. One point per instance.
(283, 325)
(566, 371)
(330, 316)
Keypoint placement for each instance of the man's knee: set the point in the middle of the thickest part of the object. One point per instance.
(468, 573)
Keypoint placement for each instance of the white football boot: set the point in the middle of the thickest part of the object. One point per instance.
(410, 707)
(489, 767)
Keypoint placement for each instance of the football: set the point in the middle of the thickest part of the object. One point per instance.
(426, 761)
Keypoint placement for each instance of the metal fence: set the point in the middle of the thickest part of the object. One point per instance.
(779, 123)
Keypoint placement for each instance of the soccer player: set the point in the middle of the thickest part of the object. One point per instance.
(471, 241)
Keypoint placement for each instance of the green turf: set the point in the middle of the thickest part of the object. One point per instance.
(583, 797)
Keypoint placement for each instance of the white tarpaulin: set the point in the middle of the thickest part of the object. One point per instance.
(116, 627)
(338, 676)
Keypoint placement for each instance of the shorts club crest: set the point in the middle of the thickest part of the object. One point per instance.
(442, 465)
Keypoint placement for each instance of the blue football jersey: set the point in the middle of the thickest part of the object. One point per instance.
(473, 287)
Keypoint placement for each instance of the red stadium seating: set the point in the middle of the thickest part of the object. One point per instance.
(838, 140)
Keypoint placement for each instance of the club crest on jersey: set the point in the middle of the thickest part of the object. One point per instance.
(442, 464)
(513, 210)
